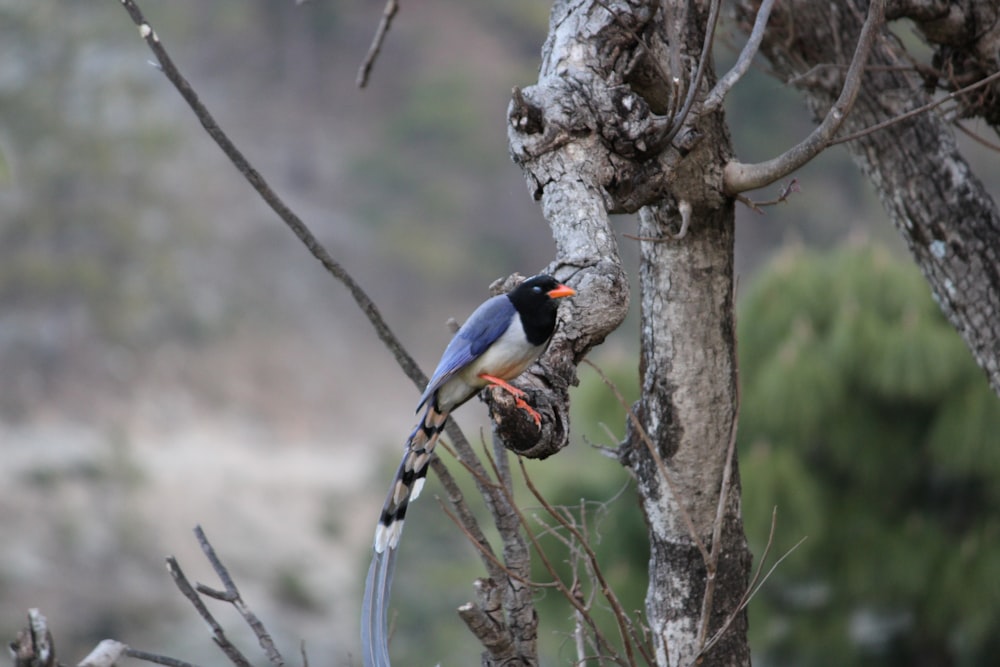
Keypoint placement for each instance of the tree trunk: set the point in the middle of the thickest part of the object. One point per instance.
(603, 132)
(947, 218)
(688, 376)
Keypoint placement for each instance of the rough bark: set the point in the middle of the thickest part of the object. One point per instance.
(947, 218)
(602, 132)
(688, 375)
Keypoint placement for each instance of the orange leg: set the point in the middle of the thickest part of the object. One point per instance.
(517, 394)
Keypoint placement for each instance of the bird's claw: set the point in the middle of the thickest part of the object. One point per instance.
(518, 394)
(521, 403)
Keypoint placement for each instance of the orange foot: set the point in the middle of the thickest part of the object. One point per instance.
(517, 394)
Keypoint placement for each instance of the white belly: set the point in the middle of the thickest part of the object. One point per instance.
(507, 358)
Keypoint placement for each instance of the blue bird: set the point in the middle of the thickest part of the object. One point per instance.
(501, 338)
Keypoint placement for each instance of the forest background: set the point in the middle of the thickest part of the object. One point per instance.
(170, 356)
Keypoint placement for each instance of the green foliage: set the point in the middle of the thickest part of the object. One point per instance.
(867, 424)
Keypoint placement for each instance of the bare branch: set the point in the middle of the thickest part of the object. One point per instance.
(291, 220)
(465, 519)
(232, 595)
(156, 658)
(218, 634)
(739, 177)
(578, 628)
(706, 52)
(757, 206)
(718, 94)
(494, 501)
(751, 590)
(105, 654)
(975, 137)
(919, 110)
(668, 478)
(391, 7)
(625, 629)
(521, 620)
(33, 646)
(486, 620)
(557, 582)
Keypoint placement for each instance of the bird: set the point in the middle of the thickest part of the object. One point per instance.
(499, 341)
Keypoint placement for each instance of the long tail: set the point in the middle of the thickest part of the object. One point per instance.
(374, 609)
(406, 487)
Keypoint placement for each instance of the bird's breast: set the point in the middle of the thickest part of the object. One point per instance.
(508, 356)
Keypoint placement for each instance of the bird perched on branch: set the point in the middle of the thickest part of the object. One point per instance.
(501, 338)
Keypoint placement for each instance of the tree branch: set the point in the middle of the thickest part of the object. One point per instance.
(391, 7)
(465, 519)
(919, 110)
(706, 56)
(664, 472)
(218, 633)
(718, 94)
(739, 177)
(291, 220)
(232, 595)
(105, 654)
(156, 658)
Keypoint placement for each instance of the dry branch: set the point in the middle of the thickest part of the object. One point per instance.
(741, 177)
(715, 98)
(34, 647)
(391, 7)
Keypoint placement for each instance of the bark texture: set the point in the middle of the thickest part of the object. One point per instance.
(688, 375)
(947, 218)
(604, 131)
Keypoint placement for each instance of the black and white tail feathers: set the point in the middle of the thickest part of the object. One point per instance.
(406, 487)
(410, 478)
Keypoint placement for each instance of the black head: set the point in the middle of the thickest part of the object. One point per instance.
(535, 301)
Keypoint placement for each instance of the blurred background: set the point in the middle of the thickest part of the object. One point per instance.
(170, 354)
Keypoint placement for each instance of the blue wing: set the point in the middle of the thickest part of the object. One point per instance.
(484, 326)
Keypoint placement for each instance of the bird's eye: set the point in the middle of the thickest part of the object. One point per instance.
(536, 289)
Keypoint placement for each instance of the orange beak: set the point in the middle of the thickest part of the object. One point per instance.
(561, 291)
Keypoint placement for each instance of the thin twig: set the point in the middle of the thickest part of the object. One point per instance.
(657, 459)
(625, 630)
(509, 522)
(741, 177)
(487, 554)
(547, 564)
(464, 517)
(232, 595)
(756, 583)
(298, 227)
(496, 496)
(218, 634)
(156, 658)
(301, 230)
(721, 89)
(975, 137)
(391, 7)
(757, 206)
(919, 110)
(712, 567)
(706, 52)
